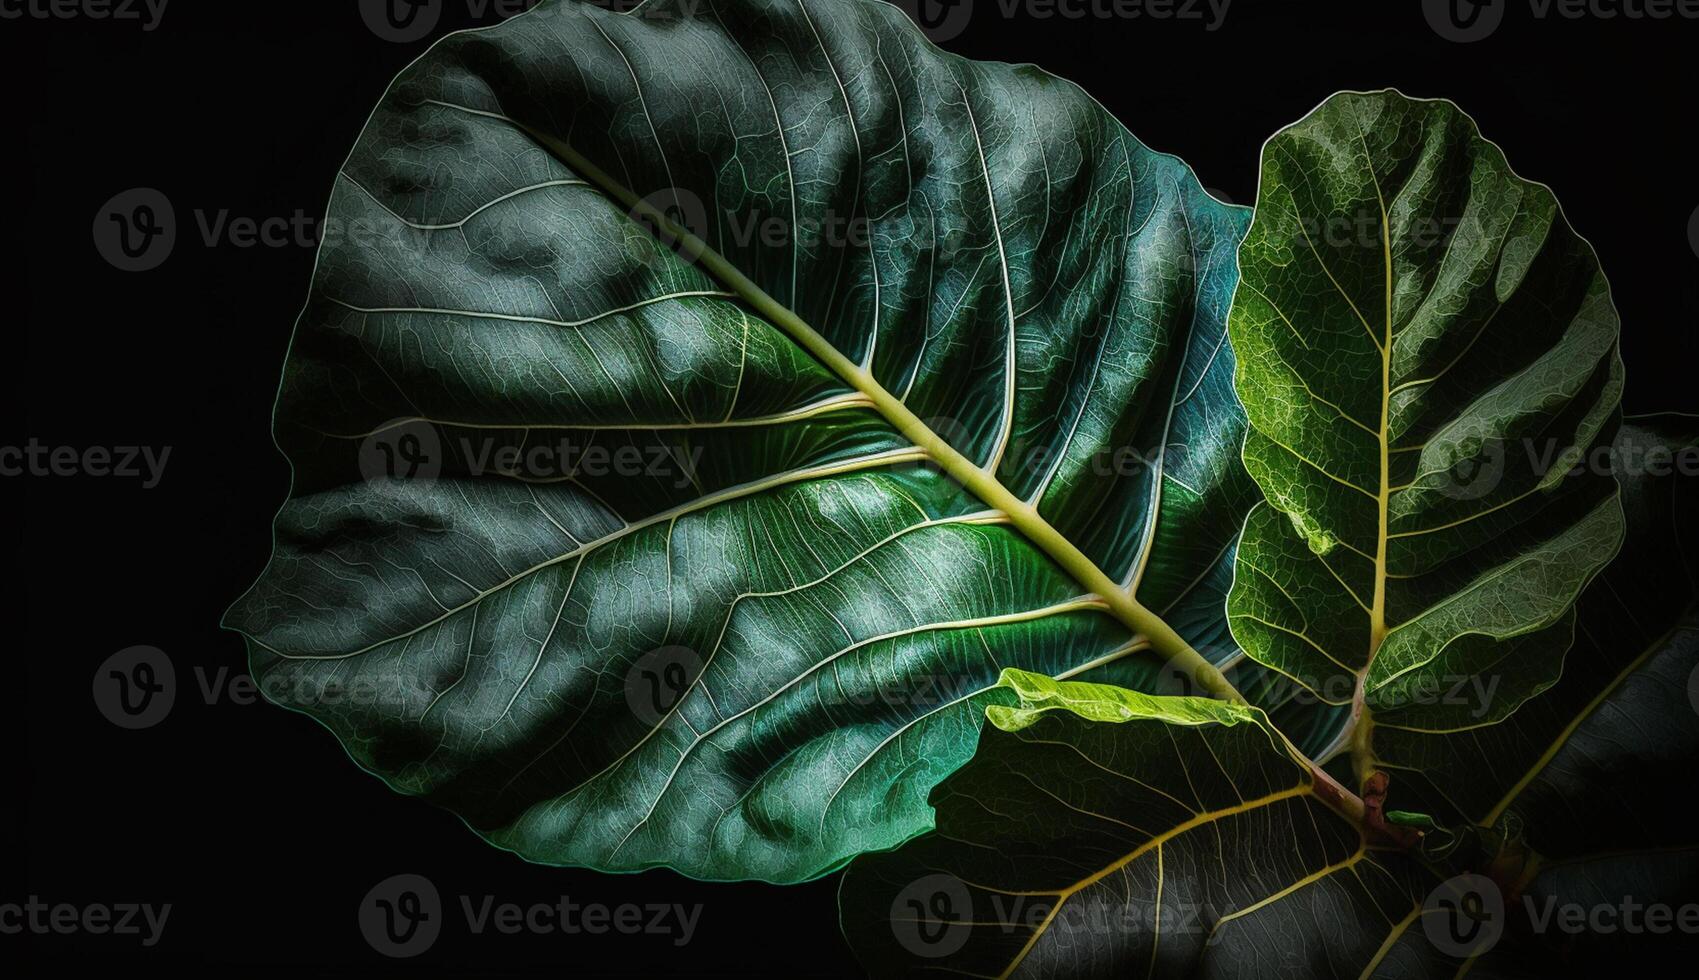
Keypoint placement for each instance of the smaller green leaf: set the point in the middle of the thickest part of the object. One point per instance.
(1426, 350)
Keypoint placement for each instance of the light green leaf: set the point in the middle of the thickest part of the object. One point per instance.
(1426, 351)
(1040, 695)
(876, 371)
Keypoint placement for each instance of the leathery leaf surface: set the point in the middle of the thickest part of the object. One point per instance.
(596, 554)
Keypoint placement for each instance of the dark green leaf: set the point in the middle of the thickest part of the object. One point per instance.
(1104, 833)
(936, 384)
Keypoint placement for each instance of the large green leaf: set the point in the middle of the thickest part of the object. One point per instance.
(906, 369)
(1426, 351)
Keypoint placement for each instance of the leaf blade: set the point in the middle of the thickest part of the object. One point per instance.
(1412, 316)
(509, 618)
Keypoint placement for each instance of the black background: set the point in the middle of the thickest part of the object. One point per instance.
(250, 820)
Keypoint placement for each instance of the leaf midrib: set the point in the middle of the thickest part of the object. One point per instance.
(981, 481)
(1362, 750)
